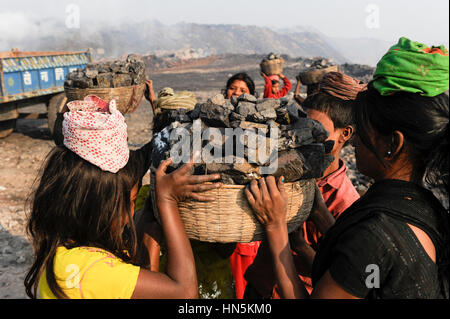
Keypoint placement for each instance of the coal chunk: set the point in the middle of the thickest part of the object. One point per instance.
(91, 71)
(214, 115)
(316, 161)
(167, 117)
(239, 172)
(247, 98)
(319, 133)
(266, 104)
(105, 80)
(246, 109)
(219, 99)
(299, 137)
(329, 145)
(120, 80)
(289, 114)
(290, 165)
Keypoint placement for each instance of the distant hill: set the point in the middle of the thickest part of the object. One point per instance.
(153, 36)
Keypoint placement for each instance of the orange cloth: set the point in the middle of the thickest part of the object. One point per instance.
(243, 256)
(341, 86)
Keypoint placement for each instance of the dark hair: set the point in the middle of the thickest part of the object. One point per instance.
(422, 120)
(77, 204)
(340, 111)
(241, 77)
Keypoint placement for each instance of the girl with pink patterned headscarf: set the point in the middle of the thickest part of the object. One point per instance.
(81, 219)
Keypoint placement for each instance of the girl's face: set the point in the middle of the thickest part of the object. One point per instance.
(237, 88)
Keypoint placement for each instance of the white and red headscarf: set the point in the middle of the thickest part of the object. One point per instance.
(96, 131)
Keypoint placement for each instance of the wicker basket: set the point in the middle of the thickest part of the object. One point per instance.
(128, 97)
(272, 67)
(230, 219)
(315, 76)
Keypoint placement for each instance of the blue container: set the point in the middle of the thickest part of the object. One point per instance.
(25, 75)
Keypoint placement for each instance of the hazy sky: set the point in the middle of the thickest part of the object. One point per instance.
(422, 20)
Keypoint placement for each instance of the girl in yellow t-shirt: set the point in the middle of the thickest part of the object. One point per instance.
(81, 220)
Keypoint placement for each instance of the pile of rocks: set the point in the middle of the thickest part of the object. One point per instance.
(313, 74)
(321, 63)
(299, 147)
(272, 56)
(363, 73)
(109, 74)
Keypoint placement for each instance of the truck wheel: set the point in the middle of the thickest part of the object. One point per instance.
(55, 116)
(7, 127)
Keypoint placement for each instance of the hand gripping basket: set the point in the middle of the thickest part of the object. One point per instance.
(272, 67)
(230, 219)
(128, 97)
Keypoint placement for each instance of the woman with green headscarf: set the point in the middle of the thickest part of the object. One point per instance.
(393, 243)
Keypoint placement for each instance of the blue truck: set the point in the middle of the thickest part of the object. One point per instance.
(29, 78)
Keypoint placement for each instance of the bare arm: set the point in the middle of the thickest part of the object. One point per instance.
(269, 204)
(150, 93)
(149, 235)
(320, 215)
(297, 96)
(177, 282)
(323, 220)
(305, 254)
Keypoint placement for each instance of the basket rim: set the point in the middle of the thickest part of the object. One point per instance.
(103, 89)
(245, 228)
(229, 186)
(317, 71)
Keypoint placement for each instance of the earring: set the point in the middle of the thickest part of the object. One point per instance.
(389, 153)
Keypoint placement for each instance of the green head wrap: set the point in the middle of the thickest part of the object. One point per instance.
(412, 67)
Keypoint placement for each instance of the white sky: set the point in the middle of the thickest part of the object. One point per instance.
(421, 20)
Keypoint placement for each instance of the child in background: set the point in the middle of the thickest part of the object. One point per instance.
(272, 88)
(239, 84)
(81, 221)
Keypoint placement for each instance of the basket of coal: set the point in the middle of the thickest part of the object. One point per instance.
(273, 64)
(122, 80)
(242, 139)
(314, 74)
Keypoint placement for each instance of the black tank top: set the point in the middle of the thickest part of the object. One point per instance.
(371, 252)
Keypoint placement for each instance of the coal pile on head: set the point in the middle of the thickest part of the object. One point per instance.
(243, 139)
(321, 63)
(315, 71)
(110, 74)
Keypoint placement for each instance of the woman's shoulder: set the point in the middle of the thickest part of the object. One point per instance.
(83, 255)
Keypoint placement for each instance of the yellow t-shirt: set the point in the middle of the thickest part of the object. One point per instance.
(90, 273)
